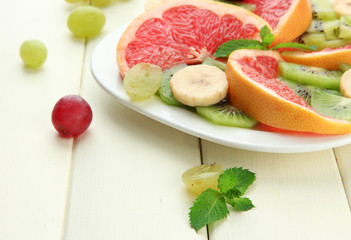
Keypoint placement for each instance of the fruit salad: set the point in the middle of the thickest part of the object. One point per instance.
(288, 88)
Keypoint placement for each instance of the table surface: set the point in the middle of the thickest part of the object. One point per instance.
(122, 178)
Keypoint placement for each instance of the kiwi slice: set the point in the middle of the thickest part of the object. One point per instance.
(213, 62)
(164, 91)
(305, 91)
(344, 67)
(322, 9)
(315, 26)
(318, 39)
(344, 32)
(309, 75)
(226, 114)
(331, 105)
(331, 29)
(346, 20)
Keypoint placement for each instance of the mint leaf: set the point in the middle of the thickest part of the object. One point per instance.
(208, 207)
(233, 182)
(241, 204)
(266, 36)
(295, 45)
(226, 48)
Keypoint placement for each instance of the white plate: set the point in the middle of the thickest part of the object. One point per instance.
(106, 73)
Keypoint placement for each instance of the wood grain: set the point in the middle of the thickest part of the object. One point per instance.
(297, 196)
(343, 156)
(35, 162)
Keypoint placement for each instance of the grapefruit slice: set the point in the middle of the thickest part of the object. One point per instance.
(184, 31)
(288, 18)
(327, 58)
(255, 88)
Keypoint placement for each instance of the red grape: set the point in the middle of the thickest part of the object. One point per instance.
(71, 116)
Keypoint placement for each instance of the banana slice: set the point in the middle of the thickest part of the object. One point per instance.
(342, 7)
(345, 84)
(151, 3)
(199, 85)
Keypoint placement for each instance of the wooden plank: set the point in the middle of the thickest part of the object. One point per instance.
(297, 196)
(343, 156)
(126, 181)
(34, 161)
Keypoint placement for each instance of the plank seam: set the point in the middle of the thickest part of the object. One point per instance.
(68, 188)
(342, 180)
(64, 224)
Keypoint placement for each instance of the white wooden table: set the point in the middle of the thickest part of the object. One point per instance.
(122, 178)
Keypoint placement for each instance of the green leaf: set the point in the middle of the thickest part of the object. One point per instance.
(208, 207)
(226, 48)
(241, 204)
(266, 36)
(295, 45)
(233, 182)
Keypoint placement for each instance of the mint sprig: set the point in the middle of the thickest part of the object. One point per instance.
(225, 49)
(211, 205)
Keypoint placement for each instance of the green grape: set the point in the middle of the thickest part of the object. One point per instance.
(198, 179)
(73, 1)
(86, 21)
(100, 2)
(142, 81)
(33, 53)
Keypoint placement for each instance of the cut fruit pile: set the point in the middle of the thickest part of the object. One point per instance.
(326, 30)
(292, 90)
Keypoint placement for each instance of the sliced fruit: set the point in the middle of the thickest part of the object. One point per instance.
(330, 105)
(213, 62)
(345, 84)
(142, 81)
(322, 9)
(165, 91)
(226, 114)
(288, 18)
(327, 58)
(305, 91)
(184, 31)
(341, 7)
(199, 178)
(255, 88)
(344, 32)
(309, 75)
(344, 67)
(319, 40)
(315, 26)
(199, 85)
(331, 29)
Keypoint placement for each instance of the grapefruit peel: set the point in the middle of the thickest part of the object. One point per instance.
(327, 58)
(292, 17)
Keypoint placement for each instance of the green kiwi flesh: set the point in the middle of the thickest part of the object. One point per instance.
(227, 115)
(318, 39)
(344, 67)
(345, 32)
(315, 76)
(213, 62)
(331, 29)
(322, 9)
(331, 105)
(305, 91)
(165, 92)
